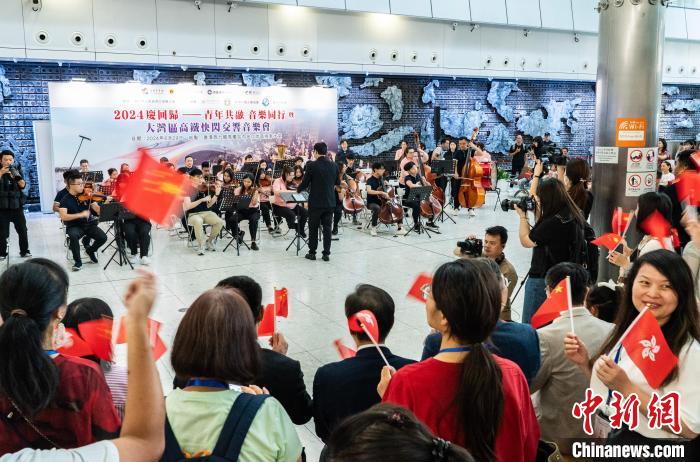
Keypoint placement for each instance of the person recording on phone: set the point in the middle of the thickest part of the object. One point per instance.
(492, 247)
(11, 200)
(557, 221)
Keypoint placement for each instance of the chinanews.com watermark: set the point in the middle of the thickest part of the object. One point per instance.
(592, 451)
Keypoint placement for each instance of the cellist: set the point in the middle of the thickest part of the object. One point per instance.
(375, 195)
(415, 180)
(461, 155)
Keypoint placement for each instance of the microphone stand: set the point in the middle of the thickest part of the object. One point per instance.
(82, 138)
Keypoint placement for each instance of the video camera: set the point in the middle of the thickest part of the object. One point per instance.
(524, 203)
(471, 247)
(552, 156)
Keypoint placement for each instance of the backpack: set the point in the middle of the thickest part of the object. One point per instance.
(584, 252)
(228, 446)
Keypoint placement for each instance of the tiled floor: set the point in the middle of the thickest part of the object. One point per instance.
(317, 289)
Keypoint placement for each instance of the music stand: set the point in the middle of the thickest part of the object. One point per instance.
(230, 203)
(116, 213)
(238, 176)
(279, 166)
(93, 176)
(418, 195)
(445, 169)
(391, 170)
(216, 169)
(298, 198)
(251, 167)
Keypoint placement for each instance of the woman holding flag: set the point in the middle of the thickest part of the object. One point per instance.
(654, 349)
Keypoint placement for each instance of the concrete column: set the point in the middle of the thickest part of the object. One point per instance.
(628, 85)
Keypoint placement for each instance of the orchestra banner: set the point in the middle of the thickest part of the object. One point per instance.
(173, 121)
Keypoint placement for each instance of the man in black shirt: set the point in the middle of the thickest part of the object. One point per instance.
(415, 180)
(343, 152)
(321, 176)
(350, 162)
(189, 164)
(11, 185)
(80, 222)
(63, 192)
(517, 153)
(461, 155)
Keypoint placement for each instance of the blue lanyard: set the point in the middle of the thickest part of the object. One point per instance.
(455, 350)
(51, 352)
(207, 383)
(617, 359)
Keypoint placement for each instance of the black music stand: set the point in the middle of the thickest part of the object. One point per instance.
(93, 176)
(279, 166)
(419, 194)
(298, 198)
(444, 169)
(250, 167)
(391, 171)
(230, 203)
(238, 176)
(116, 213)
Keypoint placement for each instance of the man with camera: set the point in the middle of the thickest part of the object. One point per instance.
(11, 200)
(492, 247)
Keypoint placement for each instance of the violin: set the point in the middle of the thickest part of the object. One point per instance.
(471, 192)
(92, 197)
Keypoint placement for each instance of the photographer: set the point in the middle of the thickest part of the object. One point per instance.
(492, 247)
(11, 201)
(558, 220)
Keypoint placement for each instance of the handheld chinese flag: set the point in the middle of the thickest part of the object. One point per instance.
(154, 191)
(281, 302)
(365, 321)
(646, 346)
(267, 325)
(74, 345)
(98, 335)
(557, 301)
(696, 159)
(344, 351)
(421, 286)
(620, 221)
(158, 347)
(608, 240)
(656, 225)
(688, 187)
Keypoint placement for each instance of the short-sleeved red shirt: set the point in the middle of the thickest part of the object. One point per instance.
(428, 389)
(81, 413)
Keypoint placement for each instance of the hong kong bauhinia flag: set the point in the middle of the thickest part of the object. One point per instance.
(420, 288)
(155, 192)
(646, 346)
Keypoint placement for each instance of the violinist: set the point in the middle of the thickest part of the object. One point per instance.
(80, 219)
(415, 180)
(285, 210)
(124, 168)
(227, 179)
(110, 183)
(198, 212)
(410, 157)
(206, 170)
(299, 162)
(298, 175)
(252, 213)
(341, 190)
(264, 185)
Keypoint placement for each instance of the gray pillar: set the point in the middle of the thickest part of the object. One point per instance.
(628, 85)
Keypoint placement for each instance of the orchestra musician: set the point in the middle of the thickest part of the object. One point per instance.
(298, 175)
(227, 178)
(415, 180)
(11, 201)
(108, 185)
(351, 170)
(481, 155)
(189, 163)
(252, 213)
(84, 166)
(264, 186)
(341, 190)
(402, 151)
(80, 218)
(198, 212)
(206, 170)
(320, 178)
(410, 157)
(461, 156)
(137, 231)
(299, 162)
(375, 188)
(285, 210)
(344, 152)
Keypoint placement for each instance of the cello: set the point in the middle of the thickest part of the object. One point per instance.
(391, 210)
(471, 192)
(431, 207)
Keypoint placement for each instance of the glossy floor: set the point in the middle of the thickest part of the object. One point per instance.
(317, 289)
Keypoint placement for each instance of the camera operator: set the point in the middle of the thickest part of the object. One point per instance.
(11, 201)
(492, 247)
(557, 221)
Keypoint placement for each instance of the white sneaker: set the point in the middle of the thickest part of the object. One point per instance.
(453, 211)
(401, 232)
(472, 213)
(200, 250)
(373, 231)
(210, 246)
(145, 261)
(131, 258)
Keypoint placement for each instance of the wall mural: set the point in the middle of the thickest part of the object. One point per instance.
(373, 123)
(200, 79)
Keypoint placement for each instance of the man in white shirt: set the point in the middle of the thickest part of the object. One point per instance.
(560, 382)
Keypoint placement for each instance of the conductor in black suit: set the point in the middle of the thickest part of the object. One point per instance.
(321, 176)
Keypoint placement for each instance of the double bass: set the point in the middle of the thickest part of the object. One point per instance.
(431, 207)
(471, 192)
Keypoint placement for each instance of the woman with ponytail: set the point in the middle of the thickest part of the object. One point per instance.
(47, 400)
(466, 394)
(576, 181)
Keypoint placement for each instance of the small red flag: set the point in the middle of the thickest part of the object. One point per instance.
(281, 302)
(656, 225)
(420, 288)
(74, 345)
(158, 347)
(609, 240)
(267, 326)
(646, 346)
(365, 318)
(98, 334)
(344, 351)
(696, 159)
(620, 221)
(154, 191)
(557, 301)
(688, 187)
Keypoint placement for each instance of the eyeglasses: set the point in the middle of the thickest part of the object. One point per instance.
(80, 183)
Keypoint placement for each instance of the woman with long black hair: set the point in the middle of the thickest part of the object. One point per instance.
(466, 394)
(558, 221)
(47, 400)
(661, 281)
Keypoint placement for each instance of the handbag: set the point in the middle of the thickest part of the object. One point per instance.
(548, 451)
